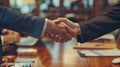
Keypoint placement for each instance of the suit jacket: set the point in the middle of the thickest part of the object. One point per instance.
(0, 51)
(1, 45)
(20, 23)
(31, 25)
(100, 25)
(0, 41)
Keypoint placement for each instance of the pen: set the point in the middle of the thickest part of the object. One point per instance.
(28, 65)
(23, 65)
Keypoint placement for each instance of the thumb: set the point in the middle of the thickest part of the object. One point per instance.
(64, 20)
(57, 21)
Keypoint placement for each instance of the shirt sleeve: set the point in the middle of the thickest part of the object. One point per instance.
(44, 28)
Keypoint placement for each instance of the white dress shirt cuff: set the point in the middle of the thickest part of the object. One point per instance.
(2, 40)
(45, 25)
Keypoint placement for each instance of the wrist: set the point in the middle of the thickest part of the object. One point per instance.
(78, 30)
(4, 39)
(48, 24)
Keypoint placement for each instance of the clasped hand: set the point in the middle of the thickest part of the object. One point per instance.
(61, 30)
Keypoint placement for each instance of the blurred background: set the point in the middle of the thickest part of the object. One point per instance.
(52, 9)
(75, 10)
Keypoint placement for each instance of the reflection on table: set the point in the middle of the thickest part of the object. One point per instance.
(52, 54)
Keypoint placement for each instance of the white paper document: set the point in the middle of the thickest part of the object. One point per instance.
(28, 41)
(106, 37)
(105, 52)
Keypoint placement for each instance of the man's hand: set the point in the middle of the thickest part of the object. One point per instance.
(74, 26)
(58, 32)
(12, 36)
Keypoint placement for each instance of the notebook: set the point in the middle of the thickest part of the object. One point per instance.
(104, 42)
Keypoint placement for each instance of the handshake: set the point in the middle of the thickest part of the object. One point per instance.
(61, 30)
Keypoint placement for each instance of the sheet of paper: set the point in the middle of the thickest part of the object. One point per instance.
(104, 42)
(28, 41)
(27, 51)
(106, 37)
(106, 52)
(25, 60)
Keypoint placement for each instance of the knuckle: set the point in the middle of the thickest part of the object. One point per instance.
(63, 31)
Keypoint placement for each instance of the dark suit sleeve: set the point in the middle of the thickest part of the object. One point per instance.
(100, 25)
(0, 51)
(21, 23)
(1, 31)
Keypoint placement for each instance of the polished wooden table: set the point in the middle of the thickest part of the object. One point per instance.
(63, 55)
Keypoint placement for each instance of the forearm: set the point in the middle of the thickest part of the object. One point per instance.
(96, 27)
(10, 37)
(100, 25)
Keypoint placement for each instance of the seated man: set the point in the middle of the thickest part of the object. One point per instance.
(9, 40)
(10, 36)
